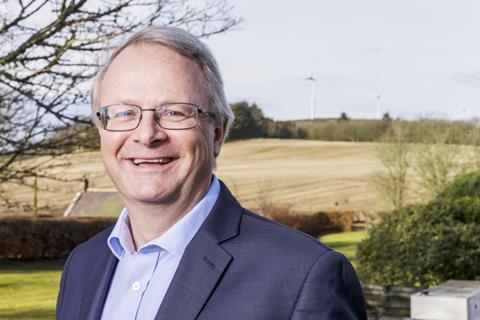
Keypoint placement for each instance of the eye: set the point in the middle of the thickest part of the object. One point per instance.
(124, 114)
(173, 113)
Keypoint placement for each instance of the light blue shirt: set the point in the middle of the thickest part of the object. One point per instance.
(142, 277)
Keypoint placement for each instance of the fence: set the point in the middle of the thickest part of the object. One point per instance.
(388, 302)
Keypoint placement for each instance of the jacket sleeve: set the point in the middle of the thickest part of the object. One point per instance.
(61, 312)
(331, 291)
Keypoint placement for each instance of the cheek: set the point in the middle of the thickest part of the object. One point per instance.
(208, 141)
(110, 143)
(200, 145)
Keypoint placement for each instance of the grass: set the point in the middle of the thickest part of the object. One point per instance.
(28, 290)
(345, 242)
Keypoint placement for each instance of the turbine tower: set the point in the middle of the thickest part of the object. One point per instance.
(312, 97)
(377, 97)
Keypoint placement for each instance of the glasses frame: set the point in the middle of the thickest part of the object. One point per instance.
(199, 114)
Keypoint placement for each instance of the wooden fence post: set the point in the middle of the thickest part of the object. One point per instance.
(85, 183)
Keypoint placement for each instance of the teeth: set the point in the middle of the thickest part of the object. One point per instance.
(160, 160)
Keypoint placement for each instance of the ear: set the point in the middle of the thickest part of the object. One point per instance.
(219, 136)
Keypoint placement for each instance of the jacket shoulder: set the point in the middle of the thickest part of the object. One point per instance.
(280, 237)
(94, 246)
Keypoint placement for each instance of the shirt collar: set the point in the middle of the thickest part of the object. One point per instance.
(175, 239)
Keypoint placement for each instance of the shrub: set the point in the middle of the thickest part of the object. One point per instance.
(424, 244)
(29, 238)
(465, 186)
(316, 224)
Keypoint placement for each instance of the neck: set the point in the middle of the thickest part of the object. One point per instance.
(149, 221)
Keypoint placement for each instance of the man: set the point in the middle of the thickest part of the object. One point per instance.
(183, 248)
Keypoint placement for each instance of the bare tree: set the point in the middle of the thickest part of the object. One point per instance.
(475, 141)
(436, 161)
(50, 49)
(393, 152)
(430, 150)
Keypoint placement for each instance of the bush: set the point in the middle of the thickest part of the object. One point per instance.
(343, 129)
(316, 224)
(424, 244)
(465, 186)
(28, 238)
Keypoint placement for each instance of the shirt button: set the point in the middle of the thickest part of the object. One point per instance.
(136, 286)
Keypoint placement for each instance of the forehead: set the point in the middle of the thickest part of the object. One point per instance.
(152, 73)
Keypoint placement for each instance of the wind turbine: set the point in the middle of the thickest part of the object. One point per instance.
(377, 97)
(312, 97)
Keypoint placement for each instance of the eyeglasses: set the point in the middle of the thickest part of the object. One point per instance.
(172, 116)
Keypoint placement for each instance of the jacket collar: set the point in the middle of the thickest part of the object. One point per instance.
(204, 261)
(202, 265)
(101, 272)
(223, 222)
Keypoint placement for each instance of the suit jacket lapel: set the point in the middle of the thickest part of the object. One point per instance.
(101, 275)
(203, 262)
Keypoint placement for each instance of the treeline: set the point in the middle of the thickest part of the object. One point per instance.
(251, 123)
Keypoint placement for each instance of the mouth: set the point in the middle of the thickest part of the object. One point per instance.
(156, 161)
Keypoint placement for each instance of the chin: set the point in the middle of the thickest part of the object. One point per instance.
(151, 194)
(146, 198)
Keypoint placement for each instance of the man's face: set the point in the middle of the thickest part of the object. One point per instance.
(148, 76)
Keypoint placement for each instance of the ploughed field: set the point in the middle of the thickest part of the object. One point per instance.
(305, 175)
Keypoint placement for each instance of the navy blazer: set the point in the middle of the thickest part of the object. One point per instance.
(238, 266)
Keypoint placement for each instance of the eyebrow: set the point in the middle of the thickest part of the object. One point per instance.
(133, 102)
(128, 101)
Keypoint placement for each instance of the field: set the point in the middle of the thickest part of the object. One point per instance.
(28, 290)
(345, 242)
(306, 175)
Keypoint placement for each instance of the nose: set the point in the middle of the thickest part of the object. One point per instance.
(149, 132)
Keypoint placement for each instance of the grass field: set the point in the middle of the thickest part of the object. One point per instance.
(345, 242)
(28, 290)
(307, 175)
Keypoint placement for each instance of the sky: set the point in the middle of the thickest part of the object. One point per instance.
(421, 57)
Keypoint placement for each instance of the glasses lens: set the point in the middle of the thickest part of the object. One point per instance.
(177, 116)
(120, 117)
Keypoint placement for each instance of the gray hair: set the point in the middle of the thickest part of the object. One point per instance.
(189, 46)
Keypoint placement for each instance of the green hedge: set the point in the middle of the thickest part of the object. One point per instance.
(424, 244)
(467, 185)
(27, 238)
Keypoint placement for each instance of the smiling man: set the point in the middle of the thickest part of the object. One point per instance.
(183, 248)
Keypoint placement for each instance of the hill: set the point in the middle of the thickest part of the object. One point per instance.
(305, 175)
